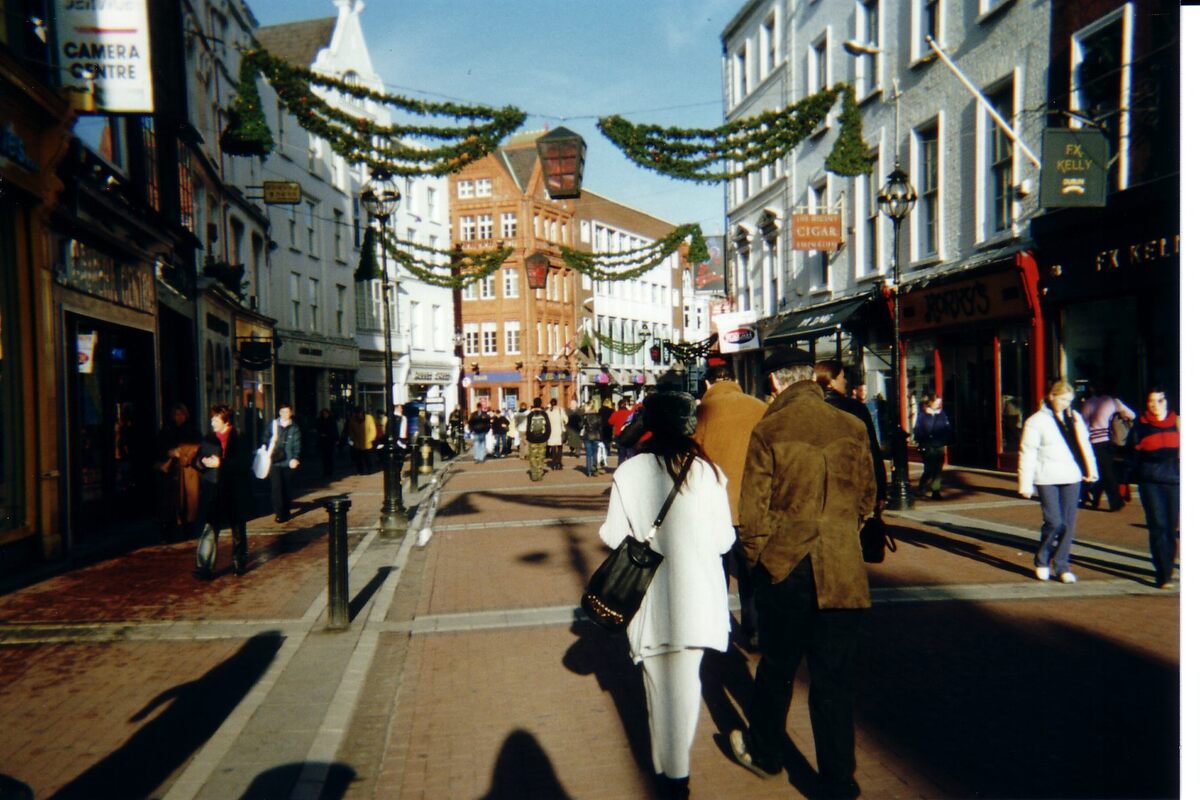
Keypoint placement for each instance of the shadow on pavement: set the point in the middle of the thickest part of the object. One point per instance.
(606, 656)
(365, 593)
(188, 715)
(523, 770)
(278, 783)
(990, 706)
(13, 789)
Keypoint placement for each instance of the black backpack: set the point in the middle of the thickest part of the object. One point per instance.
(537, 427)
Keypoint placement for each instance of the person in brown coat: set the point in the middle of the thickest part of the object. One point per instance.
(724, 420)
(179, 487)
(807, 487)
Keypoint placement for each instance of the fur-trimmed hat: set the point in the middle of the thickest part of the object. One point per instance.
(671, 412)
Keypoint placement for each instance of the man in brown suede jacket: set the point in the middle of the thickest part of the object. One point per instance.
(807, 486)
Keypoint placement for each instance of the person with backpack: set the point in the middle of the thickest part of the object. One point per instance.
(537, 433)
(479, 424)
(1106, 415)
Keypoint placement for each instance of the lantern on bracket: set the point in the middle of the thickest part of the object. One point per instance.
(561, 153)
(537, 267)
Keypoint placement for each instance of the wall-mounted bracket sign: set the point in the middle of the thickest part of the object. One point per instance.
(281, 193)
(1074, 168)
(104, 50)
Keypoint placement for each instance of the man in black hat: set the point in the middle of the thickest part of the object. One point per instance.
(807, 487)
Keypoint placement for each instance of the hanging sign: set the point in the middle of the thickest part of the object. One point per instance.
(817, 232)
(1074, 168)
(737, 332)
(104, 49)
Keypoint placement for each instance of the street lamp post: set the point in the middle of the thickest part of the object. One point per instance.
(380, 201)
(896, 199)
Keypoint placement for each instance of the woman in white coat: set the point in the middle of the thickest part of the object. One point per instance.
(1056, 457)
(686, 608)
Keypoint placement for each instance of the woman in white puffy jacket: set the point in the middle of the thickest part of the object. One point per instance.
(686, 607)
(1056, 457)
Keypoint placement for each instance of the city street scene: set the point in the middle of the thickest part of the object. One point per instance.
(730, 398)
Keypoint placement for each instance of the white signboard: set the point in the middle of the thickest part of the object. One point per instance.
(737, 331)
(104, 47)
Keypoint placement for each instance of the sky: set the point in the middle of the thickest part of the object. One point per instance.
(563, 62)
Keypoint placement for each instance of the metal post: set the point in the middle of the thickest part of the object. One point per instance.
(392, 521)
(899, 497)
(414, 474)
(339, 562)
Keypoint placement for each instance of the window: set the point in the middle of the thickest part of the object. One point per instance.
(341, 310)
(512, 337)
(294, 293)
(510, 282)
(818, 198)
(314, 153)
(483, 187)
(818, 64)
(280, 121)
(314, 319)
(541, 340)
(488, 287)
(339, 243)
(466, 228)
(485, 226)
(310, 226)
(293, 223)
(489, 339)
(416, 326)
(470, 291)
(1101, 85)
(927, 21)
(740, 77)
(867, 66)
(767, 45)
(409, 202)
(928, 177)
(508, 225)
(466, 189)
(431, 201)
(999, 160)
(439, 327)
(868, 188)
(471, 339)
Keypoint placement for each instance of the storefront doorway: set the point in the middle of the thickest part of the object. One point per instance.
(969, 396)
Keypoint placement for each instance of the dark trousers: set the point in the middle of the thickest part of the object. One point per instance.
(208, 513)
(362, 460)
(1060, 505)
(735, 564)
(790, 628)
(1105, 455)
(934, 459)
(555, 452)
(281, 489)
(1161, 504)
(327, 460)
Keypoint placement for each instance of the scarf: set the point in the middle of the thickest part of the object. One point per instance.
(1066, 426)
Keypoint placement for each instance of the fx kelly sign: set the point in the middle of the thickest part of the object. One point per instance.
(1074, 168)
(104, 49)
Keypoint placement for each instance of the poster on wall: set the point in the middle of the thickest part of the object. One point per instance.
(737, 332)
(710, 275)
(85, 352)
(104, 50)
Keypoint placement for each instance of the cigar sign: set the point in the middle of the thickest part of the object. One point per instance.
(817, 232)
(104, 49)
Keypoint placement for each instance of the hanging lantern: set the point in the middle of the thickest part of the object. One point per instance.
(537, 267)
(562, 153)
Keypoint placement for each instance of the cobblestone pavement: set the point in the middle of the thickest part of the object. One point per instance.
(465, 672)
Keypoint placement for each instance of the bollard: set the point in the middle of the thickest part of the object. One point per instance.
(339, 562)
(414, 474)
(426, 457)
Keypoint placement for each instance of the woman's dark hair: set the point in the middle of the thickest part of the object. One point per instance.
(670, 418)
(223, 411)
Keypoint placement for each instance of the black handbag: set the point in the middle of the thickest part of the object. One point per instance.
(875, 540)
(616, 589)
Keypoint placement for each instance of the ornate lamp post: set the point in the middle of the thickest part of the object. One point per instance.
(380, 200)
(896, 199)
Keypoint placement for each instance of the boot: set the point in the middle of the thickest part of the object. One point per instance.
(671, 788)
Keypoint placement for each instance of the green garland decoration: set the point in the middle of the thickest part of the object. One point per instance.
(687, 352)
(850, 155)
(617, 346)
(624, 264)
(247, 133)
(732, 150)
(381, 147)
(449, 269)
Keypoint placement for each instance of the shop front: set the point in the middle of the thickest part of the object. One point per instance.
(974, 338)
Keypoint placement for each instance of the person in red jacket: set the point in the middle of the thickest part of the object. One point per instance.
(1155, 438)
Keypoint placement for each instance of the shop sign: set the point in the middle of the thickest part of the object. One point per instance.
(1139, 253)
(987, 297)
(737, 332)
(281, 193)
(429, 376)
(817, 232)
(498, 377)
(91, 271)
(12, 148)
(104, 49)
(1074, 168)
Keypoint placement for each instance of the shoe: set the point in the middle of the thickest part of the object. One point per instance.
(845, 789)
(737, 745)
(1042, 573)
(1114, 509)
(239, 565)
(1166, 585)
(1068, 577)
(281, 518)
(936, 496)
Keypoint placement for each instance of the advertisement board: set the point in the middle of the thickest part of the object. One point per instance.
(737, 332)
(104, 50)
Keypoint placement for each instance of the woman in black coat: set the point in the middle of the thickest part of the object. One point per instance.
(224, 461)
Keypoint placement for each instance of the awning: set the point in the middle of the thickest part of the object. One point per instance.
(814, 321)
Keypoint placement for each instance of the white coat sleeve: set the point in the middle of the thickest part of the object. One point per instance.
(616, 525)
(722, 520)
(1031, 442)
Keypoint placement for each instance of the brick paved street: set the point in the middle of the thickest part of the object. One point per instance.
(465, 675)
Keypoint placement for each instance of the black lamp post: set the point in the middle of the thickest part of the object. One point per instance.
(896, 199)
(380, 200)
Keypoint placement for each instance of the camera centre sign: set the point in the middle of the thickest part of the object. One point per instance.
(104, 50)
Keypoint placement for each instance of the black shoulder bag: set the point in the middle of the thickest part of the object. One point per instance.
(615, 591)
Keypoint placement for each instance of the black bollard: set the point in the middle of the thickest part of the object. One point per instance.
(415, 470)
(338, 507)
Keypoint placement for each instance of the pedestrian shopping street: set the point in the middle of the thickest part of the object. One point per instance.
(466, 671)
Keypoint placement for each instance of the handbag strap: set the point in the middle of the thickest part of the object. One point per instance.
(666, 506)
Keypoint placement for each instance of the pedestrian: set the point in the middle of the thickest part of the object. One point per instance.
(606, 435)
(224, 462)
(537, 433)
(686, 607)
(808, 486)
(518, 429)
(500, 426)
(178, 442)
(283, 441)
(592, 433)
(1056, 457)
(574, 432)
(831, 377)
(381, 435)
(361, 433)
(558, 430)
(617, 422)
(1155, 466)
(724, 421)
(327, 440)
(932, 433)
(479, 424)
(1101, 412)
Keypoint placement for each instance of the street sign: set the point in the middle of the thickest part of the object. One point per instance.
(1074, 168)
(817, 232)
(281, 192)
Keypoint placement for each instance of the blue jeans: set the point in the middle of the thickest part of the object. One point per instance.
(591, 454)
(480, 445)
(1161, 504)
(1060, 504)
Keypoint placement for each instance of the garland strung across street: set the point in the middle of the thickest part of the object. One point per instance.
(743, 146)
(687, 352)
(618, 346)
(360, 140)
(450, 269)
(621, 265)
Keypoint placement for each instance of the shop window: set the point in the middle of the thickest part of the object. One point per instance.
(1101, 85)
(1014, 386)
(11, 418)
